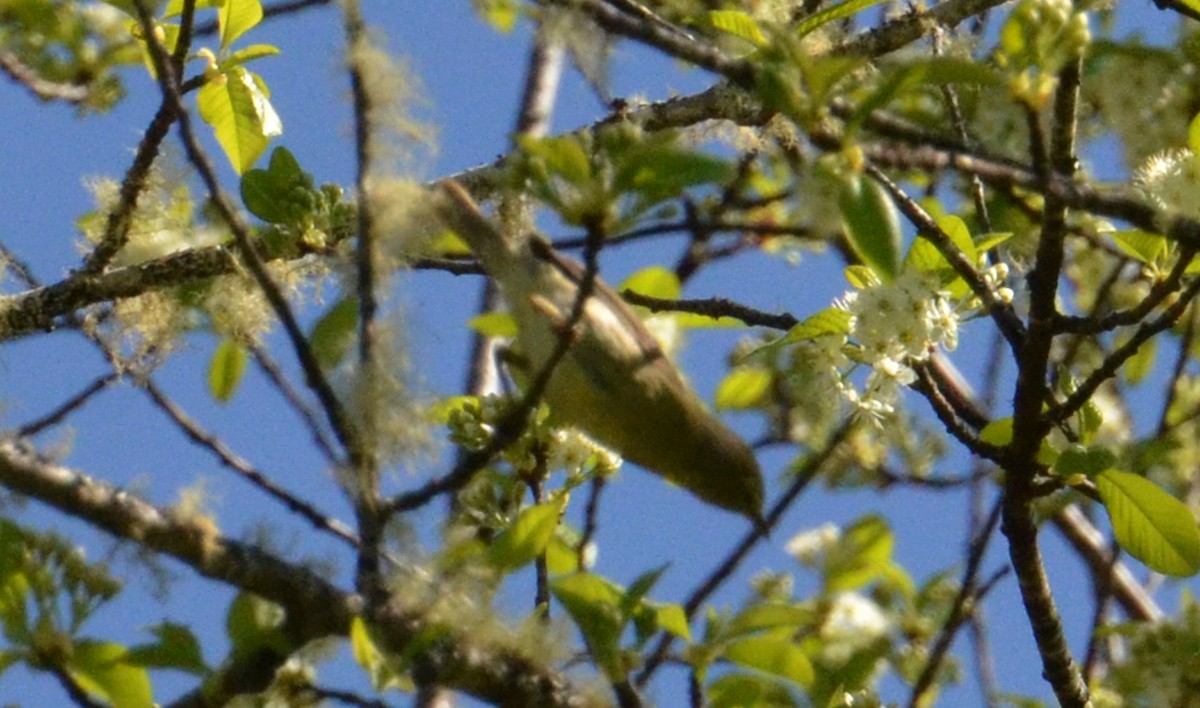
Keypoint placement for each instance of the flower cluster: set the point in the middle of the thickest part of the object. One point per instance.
(891, 325)
(473, 424)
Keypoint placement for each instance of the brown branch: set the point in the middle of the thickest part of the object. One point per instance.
(42, 88)
(314, 376)
(315, 607)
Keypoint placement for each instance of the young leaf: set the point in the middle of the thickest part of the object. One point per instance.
(776, 654)
(594, 604)
(1153, 526)
(226, 369)
(334, 334)
(739, 690)
(103, 669)
(834, 12)
(563, 156)
(736, 23)
(253, 624)
(654, 281)
(742, 388)
(1141, 245)
(176, 648)
(872, 225)
(236, 104)
(660, 171)
(494, 324)
(236, 17)
(526, 538)
(247, 54)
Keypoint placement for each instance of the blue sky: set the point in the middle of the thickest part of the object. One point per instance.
(472, 77)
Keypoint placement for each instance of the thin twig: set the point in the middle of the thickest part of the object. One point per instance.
(314, 376)
(59, 414)
(803, 477)
(231, 460)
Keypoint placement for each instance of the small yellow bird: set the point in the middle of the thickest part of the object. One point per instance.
(614, 383)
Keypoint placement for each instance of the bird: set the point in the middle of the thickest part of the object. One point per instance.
(614, 382)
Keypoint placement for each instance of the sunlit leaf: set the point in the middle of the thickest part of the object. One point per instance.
(776, 654)
(103, 669)
(494, 324)
(738, 690)
(563, 156)
(236, 17)
(594, 605)
(834, 12)
(248, 54)
(744, 387)
(526, 538)
(736, 23)
(236, 104)
(1141, 245)
(654, 281)
(226, 369)
(1150, 524)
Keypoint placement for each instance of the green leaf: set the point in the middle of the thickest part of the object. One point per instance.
(254, 624)
(500, 14)
(235, 17)
(872, 225)
(247, 54)
(756, 618)
(594, 605)
(834, 12)
(860, 276)
(280, 194)
(735, 690)
(362, 647)
(374, 662)
(1088, 461)
(923, 257)
(774, 654)
(1193, 139)
(103, 669)
(670, 617)
(1140, 245)
(236, 104)
(860, 556)
(695, 320)
(176, 648)
(913, 74)
(526, 538)
(956, 229)
(562, 155)
(744, 387)
(640, 586)
(226, 369)
(1139, 366)
(659, 171)
(335, 333)
(1150, 524)
(494, 324)
(832, 320)
(736, 23)
(654, 281)
(988, 241)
